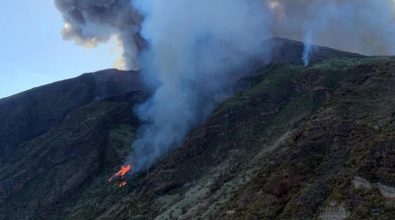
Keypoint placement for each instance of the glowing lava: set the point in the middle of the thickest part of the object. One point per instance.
(120, 175)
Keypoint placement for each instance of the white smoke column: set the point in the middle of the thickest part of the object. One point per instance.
(363, 26)
(308, 47)
(89, 22)
(196, 50)
(316, 23)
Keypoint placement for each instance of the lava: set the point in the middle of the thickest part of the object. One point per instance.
(120, 175)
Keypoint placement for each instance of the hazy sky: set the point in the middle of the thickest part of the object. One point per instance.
(33, 53)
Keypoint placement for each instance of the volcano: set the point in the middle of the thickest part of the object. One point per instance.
(294, 142)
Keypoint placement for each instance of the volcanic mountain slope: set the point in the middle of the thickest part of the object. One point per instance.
(32, 113)
(297, 142)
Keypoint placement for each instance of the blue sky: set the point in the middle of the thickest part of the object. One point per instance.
(33, 53)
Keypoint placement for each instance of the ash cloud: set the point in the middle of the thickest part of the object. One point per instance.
(90, 22)
(362, 26)
(197, 50)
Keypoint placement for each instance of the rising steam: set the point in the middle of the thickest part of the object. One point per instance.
(362, 26)
(308, 47)
(196, 49)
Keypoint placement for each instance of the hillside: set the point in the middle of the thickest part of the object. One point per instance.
(296, 142)
(32, 113)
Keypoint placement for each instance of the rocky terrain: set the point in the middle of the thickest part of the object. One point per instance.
(294, 142)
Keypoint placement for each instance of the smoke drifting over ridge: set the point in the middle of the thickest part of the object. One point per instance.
(362, 26)
(90, 22)
(197, 48)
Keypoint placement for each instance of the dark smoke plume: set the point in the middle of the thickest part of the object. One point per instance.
(90, 22)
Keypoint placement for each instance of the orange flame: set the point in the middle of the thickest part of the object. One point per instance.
(121, 174)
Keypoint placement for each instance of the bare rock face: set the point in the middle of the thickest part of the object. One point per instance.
(335, 212)
(362, 183)
(386, 191)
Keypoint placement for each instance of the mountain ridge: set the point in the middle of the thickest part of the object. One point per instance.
(33, 112)
(291, 144)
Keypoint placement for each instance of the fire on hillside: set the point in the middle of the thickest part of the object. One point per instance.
(120, 175)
